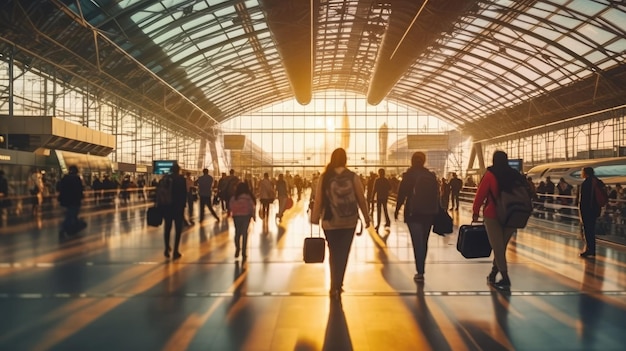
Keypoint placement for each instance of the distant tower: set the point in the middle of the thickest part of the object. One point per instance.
(345, 128)
(383, 136)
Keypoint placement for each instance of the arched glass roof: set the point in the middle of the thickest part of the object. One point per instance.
(489, 67)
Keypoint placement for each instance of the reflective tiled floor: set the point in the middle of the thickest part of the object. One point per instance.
(112, 289)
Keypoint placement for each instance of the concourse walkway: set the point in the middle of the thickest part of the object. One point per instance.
(112, 289)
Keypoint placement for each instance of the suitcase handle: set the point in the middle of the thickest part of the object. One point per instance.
(359, 227)
(319, 232)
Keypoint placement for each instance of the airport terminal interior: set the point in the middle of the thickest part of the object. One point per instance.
(123, 89)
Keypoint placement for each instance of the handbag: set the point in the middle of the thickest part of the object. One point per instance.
(442, 224)
(154, 216)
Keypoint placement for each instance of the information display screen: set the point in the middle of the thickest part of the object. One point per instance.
(162, 166)
(517, 163)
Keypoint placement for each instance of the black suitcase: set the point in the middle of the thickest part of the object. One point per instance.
(314, 249)
(473, 241)
(154, 216)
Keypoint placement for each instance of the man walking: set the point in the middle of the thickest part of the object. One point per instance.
(205, 190)
(456, 185)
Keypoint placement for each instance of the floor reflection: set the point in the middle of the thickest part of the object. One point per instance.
(590, 307)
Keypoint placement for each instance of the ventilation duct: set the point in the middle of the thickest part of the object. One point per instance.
(291, 25)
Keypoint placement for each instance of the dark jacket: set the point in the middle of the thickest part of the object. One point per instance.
(405, 191)
(455, 185)
(70, 190)
(179, 191)
(586, 200)
(381, 189)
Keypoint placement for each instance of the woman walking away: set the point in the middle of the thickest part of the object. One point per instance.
(420, 190)
(499, 177)
(242, 208)
(338, 198)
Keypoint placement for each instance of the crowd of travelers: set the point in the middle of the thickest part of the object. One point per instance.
(339, 200)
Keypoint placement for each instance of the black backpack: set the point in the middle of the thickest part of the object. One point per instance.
(424, 199)
(514, 207)
(164, 191)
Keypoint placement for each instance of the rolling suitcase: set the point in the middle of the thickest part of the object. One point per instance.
(154, 216)
(314, 248)
(473, 241)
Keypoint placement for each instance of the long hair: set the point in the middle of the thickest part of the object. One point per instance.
(337, 159)
(243, 188)
(505, 174)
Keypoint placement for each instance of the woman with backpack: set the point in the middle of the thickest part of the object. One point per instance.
(499, 177)
(242, 207)
(338, 198)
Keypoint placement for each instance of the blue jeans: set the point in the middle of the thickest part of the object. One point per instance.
(241, 230)
(419, 237)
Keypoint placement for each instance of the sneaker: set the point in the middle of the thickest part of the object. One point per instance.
(503, 284)
(177, 255)
(419, 277)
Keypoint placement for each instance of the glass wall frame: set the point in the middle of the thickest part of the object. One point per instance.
(140, 136)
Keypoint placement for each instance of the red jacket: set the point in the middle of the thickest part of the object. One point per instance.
(488, 186)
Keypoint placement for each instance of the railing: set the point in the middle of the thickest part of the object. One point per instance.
(24, 206)
(552, 208)
(564, 209)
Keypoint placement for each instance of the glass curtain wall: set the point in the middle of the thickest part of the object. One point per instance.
(299, 139)
(139, 136)
(598, 139)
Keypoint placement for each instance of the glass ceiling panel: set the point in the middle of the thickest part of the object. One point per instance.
(615, 16)
(591, 8)
(599, 36)
(533, 47)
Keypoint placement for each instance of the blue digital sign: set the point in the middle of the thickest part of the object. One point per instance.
(162, 166)
(517, 164)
